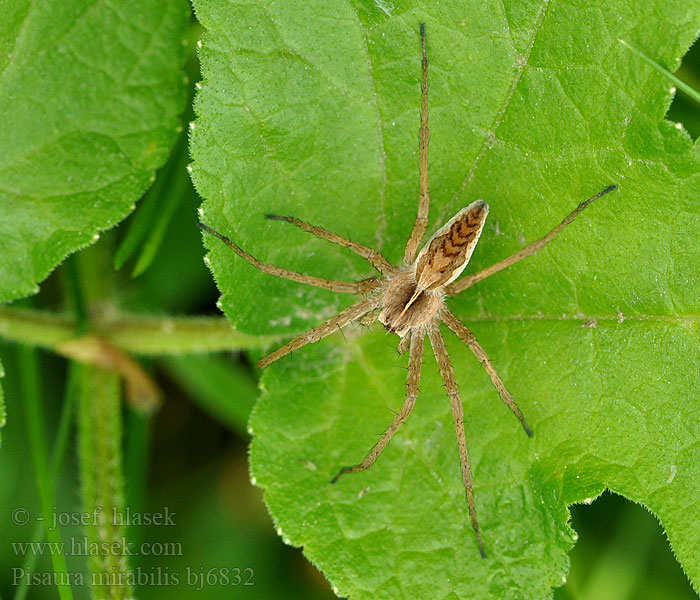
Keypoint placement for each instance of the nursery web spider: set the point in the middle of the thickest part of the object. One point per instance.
(408, 299)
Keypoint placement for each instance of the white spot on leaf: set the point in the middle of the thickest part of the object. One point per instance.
(384, 6)
(672, 474)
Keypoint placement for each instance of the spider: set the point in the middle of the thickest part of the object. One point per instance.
(409, 299)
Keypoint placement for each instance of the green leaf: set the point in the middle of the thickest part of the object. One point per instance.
(90, 98)
(313, 111)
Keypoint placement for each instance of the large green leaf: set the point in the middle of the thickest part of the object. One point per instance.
(89, 98)
(313, 111)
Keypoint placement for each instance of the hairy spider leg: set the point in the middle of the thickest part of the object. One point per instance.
(356, 287)
(375, 258)
(415, 362)
(466, 282)
(448, 377)
(463, 333)
(344, 317)
(421, 222)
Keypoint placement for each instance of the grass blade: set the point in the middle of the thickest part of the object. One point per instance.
(31, 386)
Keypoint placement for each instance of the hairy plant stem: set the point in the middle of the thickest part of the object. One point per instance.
(101, 480)
(134, 334)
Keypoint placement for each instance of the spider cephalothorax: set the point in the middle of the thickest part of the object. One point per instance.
(409, 299)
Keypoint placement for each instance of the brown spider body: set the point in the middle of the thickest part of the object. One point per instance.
(410, 300)
(405, 306)
(412, 297)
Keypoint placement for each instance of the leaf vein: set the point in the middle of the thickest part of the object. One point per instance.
(381, 228)
(490, 133)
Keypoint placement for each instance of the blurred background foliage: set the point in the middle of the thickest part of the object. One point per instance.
(191, 456)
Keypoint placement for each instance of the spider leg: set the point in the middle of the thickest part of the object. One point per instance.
(375, 258)
(448, 377)
(466, 282)
(421, 221)
(370, 317)
(324, 329)
(358, 287)
(404, 344)
(463, 333)
(414, 367)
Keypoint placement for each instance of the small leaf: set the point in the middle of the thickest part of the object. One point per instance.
(313, 112)
(90, 100)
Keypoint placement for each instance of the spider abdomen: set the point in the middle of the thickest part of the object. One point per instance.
(405, 306)
(445, 255)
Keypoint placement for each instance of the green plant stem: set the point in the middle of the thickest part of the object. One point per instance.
(30, 562)
(135, 334)
(57, 455)
(74, 293)
(64, 423)
(102, 484)
(30, 385)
